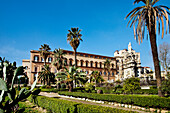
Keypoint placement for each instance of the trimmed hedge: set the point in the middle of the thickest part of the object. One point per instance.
(110, 90)
(146, 91)
(86, 108)
(55, 105)
(143, 101)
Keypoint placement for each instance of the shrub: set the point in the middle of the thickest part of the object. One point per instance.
(63, 85)
(89, 87)
(131, 84)
(166, 85)
(146, 91)
(85, 108)
(144, 101)
(107, 90)
(55, 105)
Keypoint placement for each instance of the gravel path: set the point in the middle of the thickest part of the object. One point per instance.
(87, 102)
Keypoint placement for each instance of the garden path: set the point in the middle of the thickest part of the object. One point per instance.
(87, 102)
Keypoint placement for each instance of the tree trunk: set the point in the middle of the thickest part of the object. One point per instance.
(44, 61)
(70, 85)
(108, 75)
(152, 35)
(75, 54)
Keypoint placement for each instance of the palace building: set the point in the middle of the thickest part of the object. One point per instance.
(125, 63)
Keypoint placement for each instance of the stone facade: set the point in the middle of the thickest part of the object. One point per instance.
(87, 62)
(125, 64)
(128, 63)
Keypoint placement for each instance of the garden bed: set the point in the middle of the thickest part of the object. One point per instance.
(143, 101)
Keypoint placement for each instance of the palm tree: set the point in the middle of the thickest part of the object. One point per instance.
(74, 38)
(149, 15)
(107, 67)
(44, 52)
(45, 75)
(70, 75)
(58, 58)
(95, 75)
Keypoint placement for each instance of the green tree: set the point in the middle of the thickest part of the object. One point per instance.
(44, 52)
(58, 58)
(46, 75)
(164, 56)
(107, 67)
(166, 85)
(131, 84)
(2, 60)
(70, 75)
(148, 16)
(96, 76)
(74, 38)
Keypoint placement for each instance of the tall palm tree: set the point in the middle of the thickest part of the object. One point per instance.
(58, 58)
(107, 67)
(45, 52)
(70, 75)
(74, 38)
(149, 16)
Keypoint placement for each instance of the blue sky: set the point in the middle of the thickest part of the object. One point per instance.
(27, 24)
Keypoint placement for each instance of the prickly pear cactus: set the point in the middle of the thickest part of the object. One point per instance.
(8, 97)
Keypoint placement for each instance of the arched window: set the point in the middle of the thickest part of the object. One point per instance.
(81, 63)
(49, 59)
(36, 58)
(71, 63)
(112, 73)
(112, 65)
(96, 64)
(108, 73)
(100, 65)
(86, 63)
(104, 73)
(100, 73)
(91, 63)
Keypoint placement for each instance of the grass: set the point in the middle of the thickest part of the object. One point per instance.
(27, 108)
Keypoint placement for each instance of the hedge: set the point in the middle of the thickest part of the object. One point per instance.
(146, 91)
(55, 105)
(143, 101)
(110, 90)
(86, 108)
